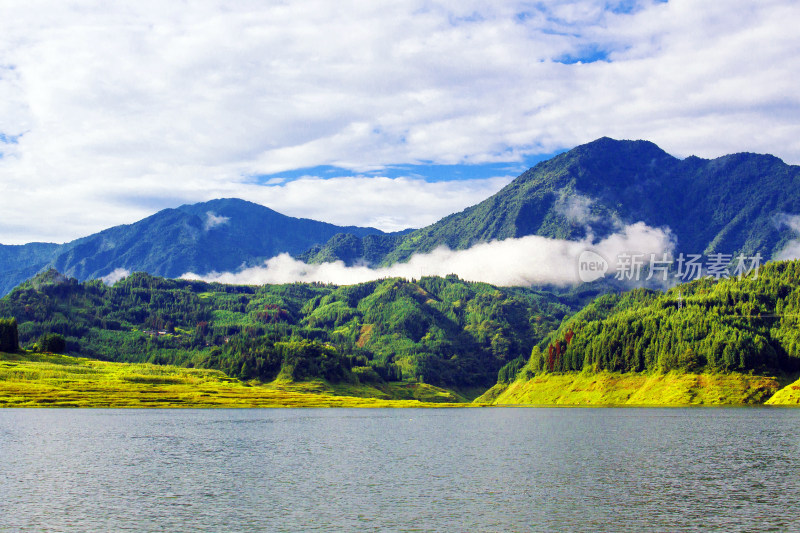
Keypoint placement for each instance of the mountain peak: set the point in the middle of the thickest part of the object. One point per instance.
(219, 235)
(725, 205)
(225, 206)
(629, 148)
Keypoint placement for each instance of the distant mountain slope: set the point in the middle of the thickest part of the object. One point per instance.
(220, 235)
(727, 205)
(18, 263)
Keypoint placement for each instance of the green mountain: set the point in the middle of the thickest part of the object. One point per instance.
(729, 205)
(220, 235)
(438, 330)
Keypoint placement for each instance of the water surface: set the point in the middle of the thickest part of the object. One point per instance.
(500, 469)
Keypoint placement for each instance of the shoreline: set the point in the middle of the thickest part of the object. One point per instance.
(33, 380)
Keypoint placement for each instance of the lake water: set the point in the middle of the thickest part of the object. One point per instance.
(500, 469)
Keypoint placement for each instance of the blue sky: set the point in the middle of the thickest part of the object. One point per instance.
(426, 170)
(388, 114)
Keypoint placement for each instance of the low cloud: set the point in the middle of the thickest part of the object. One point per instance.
(212, 220)
(785, 219)
(115, 276)
(512, 262)
(790, 251)
(576, 207)
(792, 248)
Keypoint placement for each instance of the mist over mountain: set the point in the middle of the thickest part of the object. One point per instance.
(737, 203)
(608, 194)
(220, 235)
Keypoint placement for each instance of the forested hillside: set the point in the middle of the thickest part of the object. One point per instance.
(749, 324)
(437, 330)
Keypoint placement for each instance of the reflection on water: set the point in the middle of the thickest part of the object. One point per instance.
(400, 470)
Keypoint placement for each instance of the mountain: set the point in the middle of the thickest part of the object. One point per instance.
(731, 204)
(220, 235)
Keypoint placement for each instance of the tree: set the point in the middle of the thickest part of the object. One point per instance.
(689, 361)
(9, 335)
(52, 343)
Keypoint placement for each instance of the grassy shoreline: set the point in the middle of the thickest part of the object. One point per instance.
(48, 380)
(646, 390)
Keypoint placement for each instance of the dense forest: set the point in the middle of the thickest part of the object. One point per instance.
(748, 324)
(442, 331)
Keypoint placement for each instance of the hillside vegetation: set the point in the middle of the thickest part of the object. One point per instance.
(728, 341)
(748, 324)
(637, 389)
(733, 341)
(442, 331)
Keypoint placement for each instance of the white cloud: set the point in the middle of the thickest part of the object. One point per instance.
(786, 219)
(511, 262)
(212, 220)
(389, 204)
(115, 276)
(575, 207)
(127, 107)
(790, 251)
(792, 248)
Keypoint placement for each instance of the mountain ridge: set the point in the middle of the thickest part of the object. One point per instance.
(222, 234)
(731, 204)
(727, 204)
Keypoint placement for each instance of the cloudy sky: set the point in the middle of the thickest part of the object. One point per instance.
(390, 114)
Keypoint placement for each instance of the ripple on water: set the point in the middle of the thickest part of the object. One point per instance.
(400, 470)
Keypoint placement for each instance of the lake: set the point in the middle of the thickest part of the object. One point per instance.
(497, 469)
